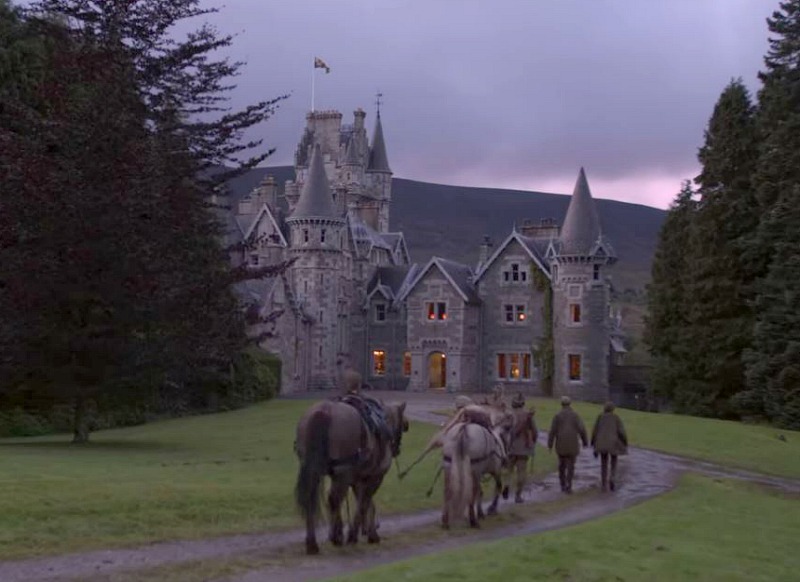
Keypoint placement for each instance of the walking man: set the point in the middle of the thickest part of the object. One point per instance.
(609, 440)
(565, 431)
(523, 441)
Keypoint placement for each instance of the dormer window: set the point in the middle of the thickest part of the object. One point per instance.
(380, 312)
(596, 273)
(515, 274)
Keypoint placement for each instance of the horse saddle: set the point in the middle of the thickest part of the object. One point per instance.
(371, 413)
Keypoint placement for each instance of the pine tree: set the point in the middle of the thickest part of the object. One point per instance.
(719, 283)
(773, 364)
(113, 276)
(667, 321)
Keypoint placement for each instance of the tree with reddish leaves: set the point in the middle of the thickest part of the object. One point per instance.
(113, 280)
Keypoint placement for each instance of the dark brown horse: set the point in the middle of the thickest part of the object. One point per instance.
(333, 440)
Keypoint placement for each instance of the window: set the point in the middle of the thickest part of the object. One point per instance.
(378, 362)
(406, 363)
(254, 260)
(320, 317)
(575, 312)
(596, 273)
(515, 274)
(380, 312)
(436, 311)
(305, 235)
(514, 366)
(574, 361)
(514, 313)
(322, 235)
(305, 286)
(574, 291)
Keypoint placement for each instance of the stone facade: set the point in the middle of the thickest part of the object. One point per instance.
(353, 297)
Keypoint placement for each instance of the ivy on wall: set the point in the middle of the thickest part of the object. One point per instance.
(543, 354)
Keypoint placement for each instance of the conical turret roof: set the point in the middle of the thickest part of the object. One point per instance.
(581, 228)
(378, 160)
(351, 155)
(315, 200)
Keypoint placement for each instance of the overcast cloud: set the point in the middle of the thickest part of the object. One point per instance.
(513, 94)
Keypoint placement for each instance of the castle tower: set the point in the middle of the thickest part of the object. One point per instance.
(379, 176)
(316, 241)
(581, 299)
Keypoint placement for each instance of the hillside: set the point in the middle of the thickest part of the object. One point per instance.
(451, 221)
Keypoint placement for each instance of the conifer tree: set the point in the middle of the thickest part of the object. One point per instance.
(113, 277)
(773, 363)
(719, 282)
(667, 321)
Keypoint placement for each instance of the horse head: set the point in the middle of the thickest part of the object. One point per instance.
(398, 424)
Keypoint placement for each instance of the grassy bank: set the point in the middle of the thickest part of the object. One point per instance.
(178, 479)
(704, 530)
(734, 444)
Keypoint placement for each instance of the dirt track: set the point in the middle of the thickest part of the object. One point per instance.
(643, 475)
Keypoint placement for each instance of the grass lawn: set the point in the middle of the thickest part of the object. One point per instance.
(735, 444)
(704, 530)
(178, 479)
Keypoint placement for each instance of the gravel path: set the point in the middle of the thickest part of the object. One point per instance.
(643, 474)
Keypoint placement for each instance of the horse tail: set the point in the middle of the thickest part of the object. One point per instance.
(314, 465)
(461, 475)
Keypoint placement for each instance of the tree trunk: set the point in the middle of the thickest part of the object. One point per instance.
(80, 426)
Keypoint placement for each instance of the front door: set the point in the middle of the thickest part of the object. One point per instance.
(437, 370)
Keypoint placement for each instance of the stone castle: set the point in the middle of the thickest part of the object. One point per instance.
(533, 314)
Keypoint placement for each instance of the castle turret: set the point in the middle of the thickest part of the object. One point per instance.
(581, 299)
(379, 175)
(316, 231)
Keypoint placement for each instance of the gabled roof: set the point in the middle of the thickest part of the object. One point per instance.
(535, 248)
(391, 281)
(365, 237)
(398, 243)
(262, 213)
(316, 200)
(581, 227)
(378, 160)
(460, 276)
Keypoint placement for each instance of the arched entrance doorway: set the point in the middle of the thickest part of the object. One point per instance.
(437, 370)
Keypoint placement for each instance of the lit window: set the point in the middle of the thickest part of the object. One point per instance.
(501, 366)
(514, 367)
(436, 311)
(407, 364)
(380, 312)
(378, 362)
(574, 361)
(575, 312)
(514, 313)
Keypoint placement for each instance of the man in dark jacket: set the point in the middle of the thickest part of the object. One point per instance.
(609, 440)
(523, 441)
(565, 430)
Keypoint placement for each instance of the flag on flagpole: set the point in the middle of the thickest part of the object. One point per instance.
(320, 64)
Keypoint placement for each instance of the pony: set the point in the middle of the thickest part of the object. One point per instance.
(334, 440)
(469, 451)
(487, 415)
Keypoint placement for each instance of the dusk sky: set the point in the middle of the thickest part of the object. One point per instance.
(509, 94)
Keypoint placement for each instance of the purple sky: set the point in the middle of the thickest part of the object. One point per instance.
(510, 94)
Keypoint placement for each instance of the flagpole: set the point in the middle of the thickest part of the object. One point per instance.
(313, 69)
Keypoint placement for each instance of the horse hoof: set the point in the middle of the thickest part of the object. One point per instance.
(374, 539)
(474, 524)
(312, 549)
(445, 525)
(505, 492)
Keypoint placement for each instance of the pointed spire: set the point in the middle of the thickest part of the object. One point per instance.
(351, 155)
(581, 228)
(378, 160)
(315, 200)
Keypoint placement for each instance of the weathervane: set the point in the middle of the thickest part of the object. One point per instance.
(378, 101)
